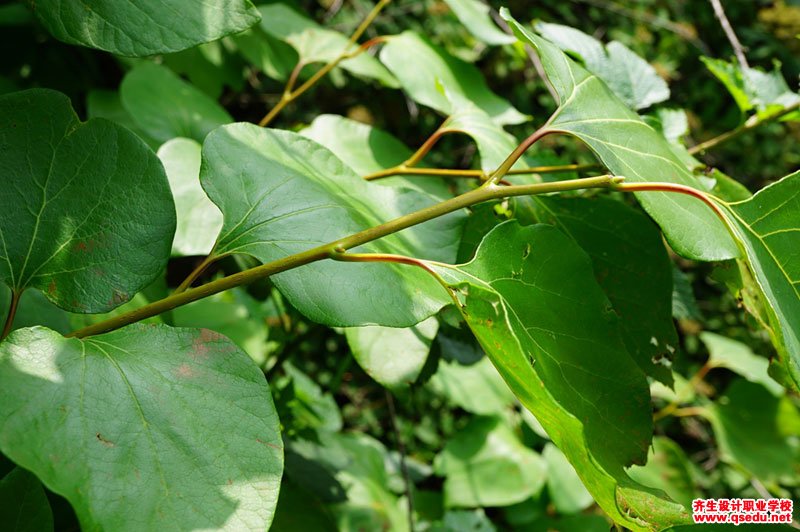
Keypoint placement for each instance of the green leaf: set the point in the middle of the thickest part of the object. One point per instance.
(557, 344)
(476, 388)
(629, 147)
(570, 523)
(629, 76)
(393, 357)
(630, 264)
(315, 44)
(485, 464)
(23, 504)
(738, 357)
(766, 228)
(310, 406)
(298, 509)
(747, 424)
(563, 483)
(464, 521)
(146, 27)
(87, 212)
(164, 106)
(178, 420)
(669, 469)
(474, 15)
(423, 68)
(281, 193)
(684, 303)
(209, 67)
(199, 220)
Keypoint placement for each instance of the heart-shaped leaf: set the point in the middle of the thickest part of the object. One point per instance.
(558, 346)
(281, 193)
(87, 213)
(629, 147)
(145, 27)
(180, 421)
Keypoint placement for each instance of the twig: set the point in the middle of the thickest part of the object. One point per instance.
(401, 449)
(752, 123)
(479, 174)
(12, 312)
(290, 95)
(192, 277)
(730, 34)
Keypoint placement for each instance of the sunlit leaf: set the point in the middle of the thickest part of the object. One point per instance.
(474, 15)
(281, 193)
(178, 420)
(146, 27)
(432, 68)
(87, 212)
(199, 220)
(629, 147)
(316, 44)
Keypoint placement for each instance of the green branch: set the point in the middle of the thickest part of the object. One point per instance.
(753, 123)
(290, 95)
(12, 312)
(336, 248)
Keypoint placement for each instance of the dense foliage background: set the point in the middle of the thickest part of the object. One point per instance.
(455, 437)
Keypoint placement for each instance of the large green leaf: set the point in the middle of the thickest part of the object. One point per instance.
(315, 44)
(630, 264)
(767, 227)
(485, 464)
(281, 193)
(476, 388)
(630, 147)
(145, 27)
(164, 106)
(629, 76)
(23, 503)
(557, 344)
(87, 212)
(423, 68)
(199, 220)
(474, 15)
(144, 428)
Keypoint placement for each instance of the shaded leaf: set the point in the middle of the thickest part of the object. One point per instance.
(476, 388)
(87, 212)
(630, 264)
(315, 44)
(474, 15)
(281, 193)
(273, 57)
(747, 424)
(146, 27)
(485, 464)
(432, 68)
(179, 420)
(765, 226)
(558, 347)
(23, 503)
(199, 220)
(164, 106)
(35, 309)
(393, 357)
(629, 147)
(107, 104)
(629, 76)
